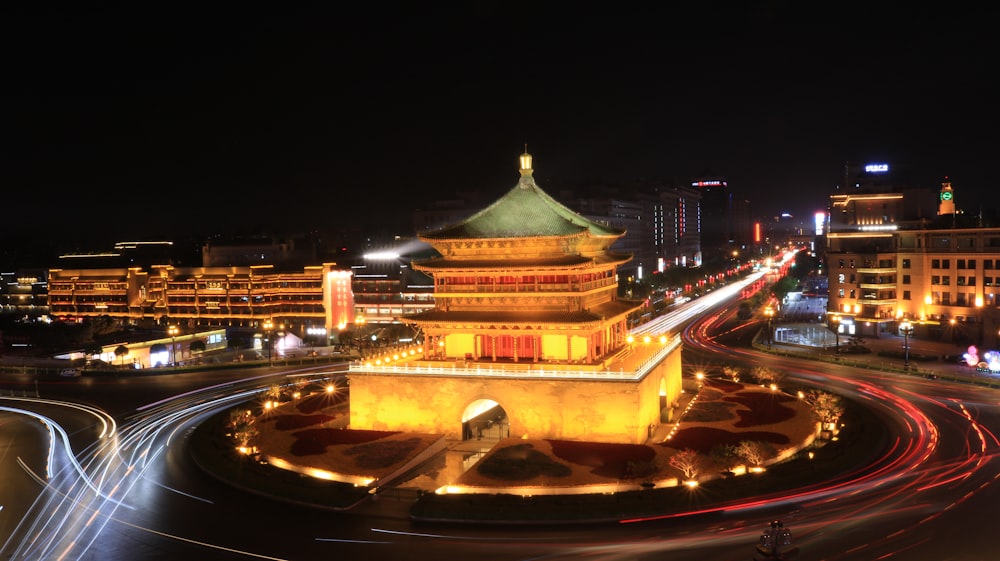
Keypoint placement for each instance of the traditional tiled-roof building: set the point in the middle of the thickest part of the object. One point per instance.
(527, 327)
(525, 279)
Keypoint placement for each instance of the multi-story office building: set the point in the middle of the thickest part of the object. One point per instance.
(717, 202)
(630, 216)
(198, 296)
(314, 303)
(892, 269)
(385, 292)
(24, 294)
(676, 228)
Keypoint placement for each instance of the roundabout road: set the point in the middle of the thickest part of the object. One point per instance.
(136, 494)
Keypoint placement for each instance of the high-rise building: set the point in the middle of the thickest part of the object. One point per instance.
(717, 209)
(677, 224)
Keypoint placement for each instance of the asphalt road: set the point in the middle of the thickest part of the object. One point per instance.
(929, 497)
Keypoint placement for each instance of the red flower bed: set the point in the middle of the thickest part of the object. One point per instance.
(318, 401)
(314, 441)
(607, 459)
(703, 439)
(292, 422)
(723, 385)
(764, 408)
(372, 455)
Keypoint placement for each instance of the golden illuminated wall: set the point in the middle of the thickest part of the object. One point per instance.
(460, 344)
(554, 347)
(594, 410)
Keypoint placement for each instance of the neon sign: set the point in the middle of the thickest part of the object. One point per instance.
(876, 168)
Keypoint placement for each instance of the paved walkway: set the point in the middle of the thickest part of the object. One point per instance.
(945, 361)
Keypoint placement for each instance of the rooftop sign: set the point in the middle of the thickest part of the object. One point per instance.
(876, 168)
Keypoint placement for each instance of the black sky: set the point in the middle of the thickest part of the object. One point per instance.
(143, 123)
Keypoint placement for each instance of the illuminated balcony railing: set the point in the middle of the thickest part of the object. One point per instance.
(554, 288)
(878, 302)
(877, 270)
(527, 370)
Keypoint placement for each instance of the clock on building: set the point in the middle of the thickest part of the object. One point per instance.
(945, 195)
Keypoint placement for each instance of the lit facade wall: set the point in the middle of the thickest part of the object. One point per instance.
(931, 277)
(197, 296)
(338, 299)
(565, 408)
(23, 294)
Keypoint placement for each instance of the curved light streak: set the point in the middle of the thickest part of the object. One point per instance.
(73, 510)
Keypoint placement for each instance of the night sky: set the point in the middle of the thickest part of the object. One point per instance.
(143, 123)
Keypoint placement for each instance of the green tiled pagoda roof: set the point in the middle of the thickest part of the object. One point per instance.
(525, 211)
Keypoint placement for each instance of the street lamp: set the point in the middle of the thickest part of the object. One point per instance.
(268, 326)
(835, 320)
(907, 328)
(173, 330)
(769, 312)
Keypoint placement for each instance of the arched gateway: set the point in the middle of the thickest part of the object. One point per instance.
(527, 315)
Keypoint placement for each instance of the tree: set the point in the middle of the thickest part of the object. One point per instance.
(745, 310)
(197, 346)
(272, 393)
(298, 385)
(766, 376)
(688, 462)
(754, 452)
(732, 372)
(242, 427)
(827, 406)
(725, 456)
(120, 352)
(784, 286)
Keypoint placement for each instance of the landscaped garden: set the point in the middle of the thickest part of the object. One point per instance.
(726, 422)
(723, 419)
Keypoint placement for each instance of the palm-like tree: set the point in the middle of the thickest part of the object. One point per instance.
(242, 427)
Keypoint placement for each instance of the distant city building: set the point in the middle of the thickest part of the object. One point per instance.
(194, 296)
(742, 224)
(24, 293)
(123, 254)
(386, 288)
(315, 303)
(717, 211)
(677, 228)
(264, 250)
(889, 264)
(630, 216)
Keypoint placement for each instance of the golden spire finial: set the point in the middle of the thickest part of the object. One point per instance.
(526, 162)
